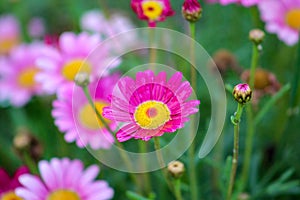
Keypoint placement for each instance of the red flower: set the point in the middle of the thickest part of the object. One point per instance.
(152, 10)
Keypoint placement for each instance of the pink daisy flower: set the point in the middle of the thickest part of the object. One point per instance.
(75, 117)
(150, 105)
(64, 179)
(283, 18)
(17, 74)
(9, 33)
(59, 67)
(246, 3)
(8, 184)
(152, 10)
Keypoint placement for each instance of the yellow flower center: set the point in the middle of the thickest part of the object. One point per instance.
(75, 66)
(63, 195)
(152, 9)
(293, 18)
(10, 196)
(152, 114)
(26, 77)
(88, 117)
(6, 44)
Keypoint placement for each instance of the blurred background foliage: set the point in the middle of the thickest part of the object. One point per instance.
(276, 154)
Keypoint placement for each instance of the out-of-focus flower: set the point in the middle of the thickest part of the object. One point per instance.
(150, 105)
(8, 184)
(76, 118)
(191, 10)
(256, 36)
(9, 33)
(283, 18)
(36, 27)
(225, 60)
(246, 3)
(25, 142)
(265, 83)
(64, 179)
(95, 22)
(60, 67)
(242, 93)
(152, 10)
(17, 74)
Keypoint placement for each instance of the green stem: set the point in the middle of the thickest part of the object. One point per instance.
(293, 99)
(161, 162)
(29, 162)
(191, 150)
(123, 154)
(236, 121)
(254, 63)
(153, 54)
(250, 120)
(177, 188)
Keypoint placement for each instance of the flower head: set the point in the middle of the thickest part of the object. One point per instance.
(9, 33)
(76, 118)
(8, 184)
(152, 10)
(283, 18)
(191, 10)
(64, 179)
(60, 66)
(256, 36)
(242, 93)
(176, 169)
(18, 73)
(150, 105)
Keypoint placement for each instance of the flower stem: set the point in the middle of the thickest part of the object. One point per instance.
(250, 120)
(161, 162)
(236, 121)
(191, 150)
(153, 55)
(295, 85)
(177, 189)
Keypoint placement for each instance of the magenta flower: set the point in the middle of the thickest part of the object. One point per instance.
(152, 10)
(150, 105)
(246, 3)
(242, 93)
(64, 179)
(60, 66)
(10, 34)
(18, 71)
(283, 18)
(8, 184)
(76, 118)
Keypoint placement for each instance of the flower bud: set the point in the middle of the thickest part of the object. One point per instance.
(176, 169)
(191, 10)
(82, 79)
(256, 36)
(242, 93)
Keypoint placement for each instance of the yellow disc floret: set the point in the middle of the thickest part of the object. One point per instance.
(88, 117)
(26, 77)
(152, 114)
(63, 195)
(75, 66)
(152, 9)
(6, 44)
(293, 19)
(10, 196)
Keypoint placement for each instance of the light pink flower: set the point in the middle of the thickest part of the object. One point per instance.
(9, 33)
(283, 18)
(60, 66)
(64, 179)
(152, 10)
(150, 105)
(246, 3)
(17, 74)
(75, 117)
